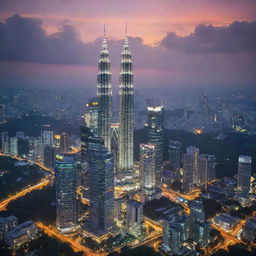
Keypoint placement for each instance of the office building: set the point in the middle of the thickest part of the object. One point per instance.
(13, 146)
(64, 143)
(206, 169)
(183, 223)
(49, 156)
(134, 217)
(203, 233)
(101, 187)
(66, 174)
(190, 169)
(174, 152)
(197, 215)
(85, 133)
(147, 168)
(172, 234)
(104, 93)
(126, 106)
(155, 133)
(47, 137)
(91, 115)
(23, 147)
(5, 142)
(244, 174)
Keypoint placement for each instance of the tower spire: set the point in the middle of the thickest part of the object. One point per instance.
(104, 29)
(126, 33)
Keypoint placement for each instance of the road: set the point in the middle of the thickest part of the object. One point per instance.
(43, 183)
(74, 244)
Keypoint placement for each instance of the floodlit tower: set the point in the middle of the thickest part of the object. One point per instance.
(104, 93)
(126, 102)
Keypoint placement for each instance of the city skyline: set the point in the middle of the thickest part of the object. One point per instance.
(138, 141)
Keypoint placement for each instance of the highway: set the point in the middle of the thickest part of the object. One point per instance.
(74, 244)
(43, 182)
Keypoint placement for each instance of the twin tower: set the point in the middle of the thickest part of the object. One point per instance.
(126, 104)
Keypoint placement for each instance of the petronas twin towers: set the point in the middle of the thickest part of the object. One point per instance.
(126, 103)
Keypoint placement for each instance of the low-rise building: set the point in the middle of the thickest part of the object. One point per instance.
(249, 230)
(226, 221)
(21, 234)
(6, 224)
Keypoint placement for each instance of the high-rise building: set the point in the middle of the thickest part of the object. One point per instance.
(104, 93)
(147, 168)
(49, 156)
(203, 233)
(47, 137)
(156, 136)
(64, 143)
(5, 142)
(244, 173)
(183, 223)
(206, 167)
(23, 147)
(101, 187)
(197, 215)
(13, 146)
(91, 115)
(134, 217)
(85, 133)
(126, 105)
(175, 157)
(66, 174)
(190, 168)
(38, 149)
(172, 235)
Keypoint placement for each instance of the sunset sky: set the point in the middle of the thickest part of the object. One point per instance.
(177, 43)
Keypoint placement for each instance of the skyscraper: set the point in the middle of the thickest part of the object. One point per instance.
(13, 146)
(5, 142)
(126, 102)
(147, 168)
(49, 156)
(91, 115)
(197, 215)
(104, 93)
(172, 236)
(64, 143)
(206, 168)
(156, 137)
(175, 157)
(244, 173)
(190, 168)
(66, 193)
(134, 216)
(101, 187)
(85, 133)
(47, 137)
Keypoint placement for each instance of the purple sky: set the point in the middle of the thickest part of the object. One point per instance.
(175, 43)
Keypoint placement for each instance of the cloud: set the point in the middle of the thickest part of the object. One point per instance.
(237, 37)
(208, 56)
